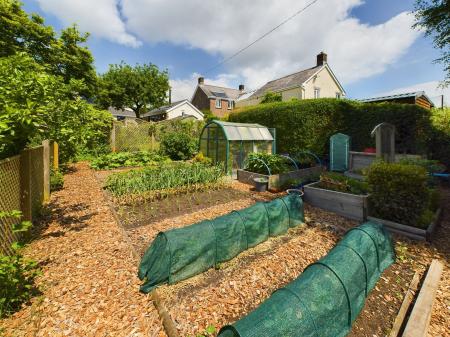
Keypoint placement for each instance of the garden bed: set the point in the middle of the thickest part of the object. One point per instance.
(277, 181)
(410, 231)
(346, 204)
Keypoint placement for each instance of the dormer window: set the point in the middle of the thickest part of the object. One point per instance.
(316, 92)
(338, 95)
(218, 103)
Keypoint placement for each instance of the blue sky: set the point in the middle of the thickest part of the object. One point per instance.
(371, 47)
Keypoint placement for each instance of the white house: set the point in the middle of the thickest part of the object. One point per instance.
(316, 82)
(173, 110)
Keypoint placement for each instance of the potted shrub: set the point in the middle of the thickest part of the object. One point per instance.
(339, 194)
(403, 199)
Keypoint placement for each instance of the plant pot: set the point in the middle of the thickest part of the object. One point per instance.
(295, 191)
(260, 184)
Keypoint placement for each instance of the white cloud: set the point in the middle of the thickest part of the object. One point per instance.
(432, 89)
(101, 18)
(356, 50)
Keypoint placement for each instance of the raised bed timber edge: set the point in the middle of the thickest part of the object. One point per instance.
(276, 181)
(348, 205)
(410, 231)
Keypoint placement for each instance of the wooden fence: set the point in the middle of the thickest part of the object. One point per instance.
(25, 186)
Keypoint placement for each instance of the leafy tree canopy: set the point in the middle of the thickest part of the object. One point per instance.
(434, 17)
(35, 105)
(270, 97)
(62, 55)
(140, 88)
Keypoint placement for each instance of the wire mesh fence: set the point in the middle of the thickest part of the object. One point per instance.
(9, 199)
(133, 136)
(24, 181)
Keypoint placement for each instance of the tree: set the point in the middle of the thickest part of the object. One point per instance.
(35, 105)
(270, 97)
(63, 56)
(434, 17)
(140, 88)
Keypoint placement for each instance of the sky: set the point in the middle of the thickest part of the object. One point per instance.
(371, 46)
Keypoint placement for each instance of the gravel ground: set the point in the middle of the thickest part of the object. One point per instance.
(89, 283)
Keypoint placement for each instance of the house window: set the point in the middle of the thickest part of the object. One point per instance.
(230, 105)
(218, 103)
(316, 92)
(338, 95)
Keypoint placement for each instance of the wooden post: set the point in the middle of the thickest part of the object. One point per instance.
(420, 317)
(25, 185)
(46, 145)
(55, 156)
(113, 138)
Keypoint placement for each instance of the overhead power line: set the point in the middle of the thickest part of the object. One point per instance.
(261, 37)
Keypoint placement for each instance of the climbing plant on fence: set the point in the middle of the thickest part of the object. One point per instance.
(308, 124)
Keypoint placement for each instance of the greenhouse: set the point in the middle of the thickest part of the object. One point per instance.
(230, 143)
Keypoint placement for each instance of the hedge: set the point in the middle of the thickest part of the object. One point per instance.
(308, 124)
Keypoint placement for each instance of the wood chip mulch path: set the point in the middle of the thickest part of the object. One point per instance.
(89, 283)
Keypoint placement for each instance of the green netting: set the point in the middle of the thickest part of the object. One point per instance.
(180, 253)
(328, 296)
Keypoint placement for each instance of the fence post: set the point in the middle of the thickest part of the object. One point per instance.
(113, 138)
(25, 184)
(46, 154)
(55, 156)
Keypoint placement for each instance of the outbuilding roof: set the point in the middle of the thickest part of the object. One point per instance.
(243, 131)
(415, 94)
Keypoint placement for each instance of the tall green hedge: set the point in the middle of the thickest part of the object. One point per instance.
(308, 124)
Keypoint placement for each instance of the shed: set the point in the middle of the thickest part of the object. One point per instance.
(418, 98)
(230, 143)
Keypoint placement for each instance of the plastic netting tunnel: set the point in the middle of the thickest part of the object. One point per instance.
(328, 296)
(181, 253)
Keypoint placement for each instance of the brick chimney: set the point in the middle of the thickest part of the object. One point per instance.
(321, 59)
(241, 87)
(201, 80)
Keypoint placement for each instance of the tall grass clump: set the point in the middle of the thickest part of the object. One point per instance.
(160, 181)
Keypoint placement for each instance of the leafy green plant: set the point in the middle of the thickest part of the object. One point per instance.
(35, 106)
(17, 273)
(56, 180)
(159, 181)
(178, 145)
(208, 332)
(338, 182)
(126, 159)
(270, 97)
(259, 162)
(432, 166)
(398, 192)
(200, 158)
(308, 124)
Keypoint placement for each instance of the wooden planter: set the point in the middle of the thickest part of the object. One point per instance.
(276, 181)
(410, 231)
(348, 205)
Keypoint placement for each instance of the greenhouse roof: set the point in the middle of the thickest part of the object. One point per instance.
(244, 131)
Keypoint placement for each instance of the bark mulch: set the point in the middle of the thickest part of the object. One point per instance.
(89, 284)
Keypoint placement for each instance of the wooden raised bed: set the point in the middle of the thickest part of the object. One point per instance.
(410, 231)
(276, 181)
(351, 206)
